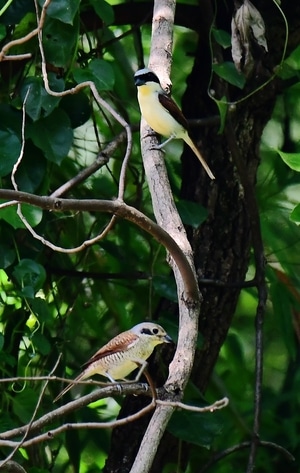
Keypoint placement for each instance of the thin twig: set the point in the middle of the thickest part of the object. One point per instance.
(243, 445)
(101, 160)
(220, 404)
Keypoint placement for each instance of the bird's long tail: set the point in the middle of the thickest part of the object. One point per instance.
(69, 386)
(192, 145)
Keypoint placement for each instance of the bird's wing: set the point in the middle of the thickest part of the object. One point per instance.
(119, 343)
(173, 109)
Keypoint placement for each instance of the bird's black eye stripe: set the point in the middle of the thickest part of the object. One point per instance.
(147, 77)
(150, 77)
(146, 331)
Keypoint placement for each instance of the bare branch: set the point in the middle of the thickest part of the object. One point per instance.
(220, 404)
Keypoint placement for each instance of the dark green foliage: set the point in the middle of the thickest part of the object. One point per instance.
(72, 303)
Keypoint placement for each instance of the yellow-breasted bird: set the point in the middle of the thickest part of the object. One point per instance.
(162, 114)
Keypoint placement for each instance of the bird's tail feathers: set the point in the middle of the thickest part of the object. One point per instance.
(68, 387)
(192, 145)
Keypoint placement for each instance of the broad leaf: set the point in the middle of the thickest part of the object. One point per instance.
(196, 428)
(32, 214)
(295, 215)
(104, 10)
(10, 148)
(291, 159)
(38, 101)
(98, 71)
(191, 213)
(30, 274)
(228, 72)
(7, 256)
(222, 37)
(53, 135)
(59, 42)
(62, 10)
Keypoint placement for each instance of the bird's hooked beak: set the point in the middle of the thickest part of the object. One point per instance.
(168, 339)
(139, 81)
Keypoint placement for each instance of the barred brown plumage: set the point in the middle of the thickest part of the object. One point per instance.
(123, 354)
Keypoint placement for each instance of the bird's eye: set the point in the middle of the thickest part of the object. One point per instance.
(155, 331)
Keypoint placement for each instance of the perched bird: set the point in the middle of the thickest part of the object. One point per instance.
(162, 114)
(123, 354)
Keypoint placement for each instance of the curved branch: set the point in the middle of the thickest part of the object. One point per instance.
(120, 209)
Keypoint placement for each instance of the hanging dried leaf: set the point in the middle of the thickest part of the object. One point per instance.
(247, 32)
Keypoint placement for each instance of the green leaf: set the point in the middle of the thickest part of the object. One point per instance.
(24, 27)
(165, 286)
(40, 308)
(10, 148)
(223, 108)
(291, 159)
(1, 341)
(59, 42)
(53, 135)
(194, 427)
(77, 107)
(98, 71)
(228, 72)
(62, 10)
(16, 11)
(295, 215)
(32, 170)
(32, 214)
(293, 61)
(10, 118)
(39, 102)
(30, 274)
(222, 37)
(41, 343)
(24, 404)
(7, 256)
(191, 213)
(104, 11)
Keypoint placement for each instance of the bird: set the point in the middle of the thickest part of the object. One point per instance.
(162, 114)
(123, 354)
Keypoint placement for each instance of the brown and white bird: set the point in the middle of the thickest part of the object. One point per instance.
(123, 354)
(162, 114)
